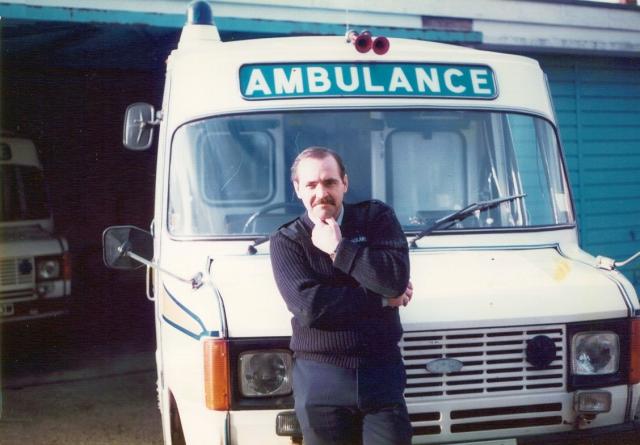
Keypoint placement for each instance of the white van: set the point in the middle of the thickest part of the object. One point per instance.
(513, 335)
(35, 268)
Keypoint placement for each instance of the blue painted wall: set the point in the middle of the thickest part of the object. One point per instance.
(598, 106)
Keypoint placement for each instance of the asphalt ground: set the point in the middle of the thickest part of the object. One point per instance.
(109, 410)
(85, 378)
(108, 319)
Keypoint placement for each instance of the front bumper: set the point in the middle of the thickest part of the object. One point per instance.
(622, 434)
(18, 311)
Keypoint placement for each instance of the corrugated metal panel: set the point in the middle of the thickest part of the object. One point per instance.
(598, 106)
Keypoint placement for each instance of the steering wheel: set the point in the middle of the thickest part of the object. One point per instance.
(293, 207)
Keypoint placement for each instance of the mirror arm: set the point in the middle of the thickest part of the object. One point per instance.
(148, 285)
(628, 260)
(609, 264)
(142, 124)
(196, 281)
(156, 121)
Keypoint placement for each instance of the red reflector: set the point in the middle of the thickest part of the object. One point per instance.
(66, 266)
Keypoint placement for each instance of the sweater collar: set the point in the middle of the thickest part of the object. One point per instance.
(340, 215)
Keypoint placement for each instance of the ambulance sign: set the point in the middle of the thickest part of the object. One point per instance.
(423, 80)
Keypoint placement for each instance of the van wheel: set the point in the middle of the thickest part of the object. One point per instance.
(177, 435)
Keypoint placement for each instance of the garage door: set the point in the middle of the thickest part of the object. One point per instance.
(598, 106)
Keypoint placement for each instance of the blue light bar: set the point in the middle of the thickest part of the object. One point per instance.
(199, 13)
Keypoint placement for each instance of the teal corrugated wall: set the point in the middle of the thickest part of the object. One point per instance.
(597, 102)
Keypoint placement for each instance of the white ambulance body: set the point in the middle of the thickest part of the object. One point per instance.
(35, 270)
(513, 331)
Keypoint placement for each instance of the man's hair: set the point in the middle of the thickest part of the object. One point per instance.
(316, 152)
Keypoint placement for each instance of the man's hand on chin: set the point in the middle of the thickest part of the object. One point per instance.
(326, 234)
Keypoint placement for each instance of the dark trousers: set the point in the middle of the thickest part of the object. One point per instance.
(341, 406)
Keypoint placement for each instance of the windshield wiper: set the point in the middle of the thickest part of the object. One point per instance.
(251, 250)
(458, 216)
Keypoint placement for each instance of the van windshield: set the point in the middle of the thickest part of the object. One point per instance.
(23, 193)
(230, 175)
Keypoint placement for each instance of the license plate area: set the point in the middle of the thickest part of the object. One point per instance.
(6, 309)
(490, 442)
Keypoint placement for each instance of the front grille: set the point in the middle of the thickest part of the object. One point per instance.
(17, 295)
(15, 271)
(506, 417)
(494, 364)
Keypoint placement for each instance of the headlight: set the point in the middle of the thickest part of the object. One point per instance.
(48, 268)
(264, 374)
(595, 353)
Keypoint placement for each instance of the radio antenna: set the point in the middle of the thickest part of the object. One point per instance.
(346, 21)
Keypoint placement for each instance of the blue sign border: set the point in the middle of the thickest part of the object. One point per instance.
(372, 79)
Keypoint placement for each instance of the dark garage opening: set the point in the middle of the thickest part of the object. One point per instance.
(66, 87)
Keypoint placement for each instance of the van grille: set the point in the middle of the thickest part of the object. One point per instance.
(14, 271)
(488, 419)
(495, 364)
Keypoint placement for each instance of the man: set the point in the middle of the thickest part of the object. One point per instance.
(343, 271)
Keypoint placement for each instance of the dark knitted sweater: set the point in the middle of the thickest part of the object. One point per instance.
(338, 316)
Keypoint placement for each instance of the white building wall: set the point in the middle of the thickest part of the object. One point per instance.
(516, 24)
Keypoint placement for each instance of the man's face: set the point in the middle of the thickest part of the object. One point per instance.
(320, 186)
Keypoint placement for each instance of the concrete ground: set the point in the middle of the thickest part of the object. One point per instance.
(87, 378)
(114, 405)
(88, 412)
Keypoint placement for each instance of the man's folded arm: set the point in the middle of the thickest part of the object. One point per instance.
(313, 304)
(382, 263)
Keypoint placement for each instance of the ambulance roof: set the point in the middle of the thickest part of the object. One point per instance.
(205, 74)
(18, 151)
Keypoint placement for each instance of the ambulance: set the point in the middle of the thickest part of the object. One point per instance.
(35, 268)
(514, 334)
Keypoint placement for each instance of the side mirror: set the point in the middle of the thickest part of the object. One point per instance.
(139, 120)
(126, 247)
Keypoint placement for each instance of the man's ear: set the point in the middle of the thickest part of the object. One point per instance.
(346, 183)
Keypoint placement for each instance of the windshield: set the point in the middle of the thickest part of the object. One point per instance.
(23, 193)
(230, 175)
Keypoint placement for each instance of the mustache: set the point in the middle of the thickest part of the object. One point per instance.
(326, 201)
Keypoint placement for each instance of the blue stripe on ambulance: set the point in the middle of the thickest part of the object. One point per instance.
(203, 333)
